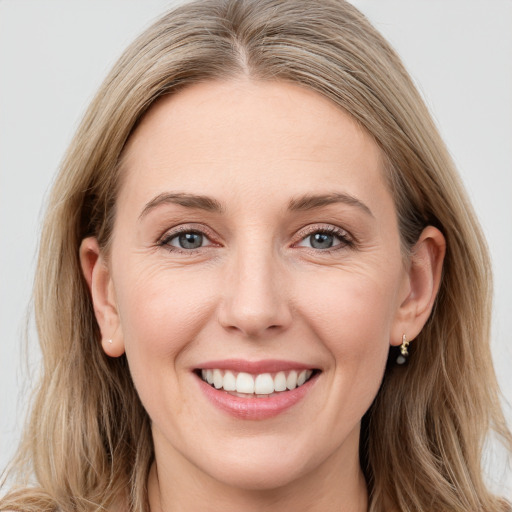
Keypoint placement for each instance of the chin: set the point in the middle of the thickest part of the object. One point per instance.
(259, 475)
(272, 461)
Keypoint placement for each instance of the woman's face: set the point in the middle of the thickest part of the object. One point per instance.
(255, 243)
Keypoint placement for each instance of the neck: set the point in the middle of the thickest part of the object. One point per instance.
(335, 485)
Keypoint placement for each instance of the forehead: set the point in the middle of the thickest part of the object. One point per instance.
(252, 137)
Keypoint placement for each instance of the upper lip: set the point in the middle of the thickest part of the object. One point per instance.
(254, 367)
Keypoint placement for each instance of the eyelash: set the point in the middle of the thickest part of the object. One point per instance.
(343, 236)
(169, 236)
(346, 240)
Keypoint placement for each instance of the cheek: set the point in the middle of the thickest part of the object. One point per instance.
(352, 305)
(161, 312)
(352, 313)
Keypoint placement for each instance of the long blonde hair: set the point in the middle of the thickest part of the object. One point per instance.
(88, 441)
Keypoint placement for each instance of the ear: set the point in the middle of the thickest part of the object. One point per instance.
(99, 281)
(422, 284)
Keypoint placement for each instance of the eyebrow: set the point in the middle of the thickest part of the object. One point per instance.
(310, 202)
(187, 200)
(303, 203)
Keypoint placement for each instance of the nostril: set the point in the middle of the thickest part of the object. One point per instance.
(252, 327)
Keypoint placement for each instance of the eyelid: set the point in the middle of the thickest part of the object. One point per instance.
(175, 231)
(347, 240)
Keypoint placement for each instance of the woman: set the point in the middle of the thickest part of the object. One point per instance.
(255, 226)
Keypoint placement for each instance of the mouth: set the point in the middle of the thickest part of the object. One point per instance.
(260, 385)
(255, 390)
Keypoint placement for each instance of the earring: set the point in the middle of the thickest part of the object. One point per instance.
(109, 341)
(404, 353)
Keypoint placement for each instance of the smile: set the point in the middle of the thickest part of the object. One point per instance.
(262, 385)
(255, 390)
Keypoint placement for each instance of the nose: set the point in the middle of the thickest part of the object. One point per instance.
(255, 299)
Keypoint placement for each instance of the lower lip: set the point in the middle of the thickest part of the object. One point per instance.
(256, 408)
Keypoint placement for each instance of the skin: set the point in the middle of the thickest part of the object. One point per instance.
(257, 289)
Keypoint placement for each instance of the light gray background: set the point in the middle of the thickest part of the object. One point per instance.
(55, 53)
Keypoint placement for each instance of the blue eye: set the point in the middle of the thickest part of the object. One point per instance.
(187, 240)
(321, 240)
(190, 240)
(324, 239)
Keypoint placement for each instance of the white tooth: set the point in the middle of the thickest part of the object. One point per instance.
(301, 378)
(291, 380)
(229, 383)
(244, 383)
(280, 382)
(203, 374)
(308, 374)
(209, 376)
(264, 384)
(217, 379)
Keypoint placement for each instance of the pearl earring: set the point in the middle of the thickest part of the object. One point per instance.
(404, 353)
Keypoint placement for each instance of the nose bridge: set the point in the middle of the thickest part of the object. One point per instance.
(255, 295)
